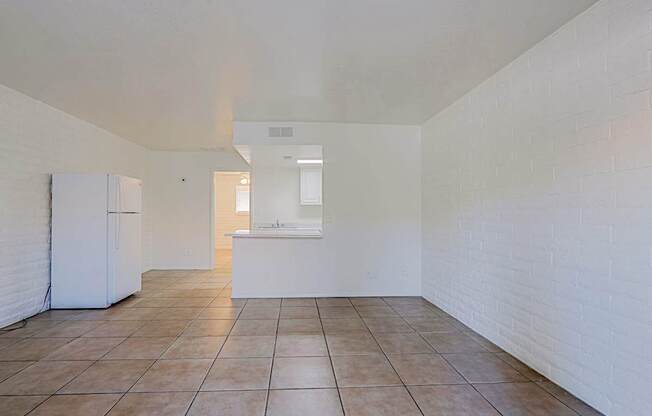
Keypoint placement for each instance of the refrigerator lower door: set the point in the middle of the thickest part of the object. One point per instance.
(124, 256)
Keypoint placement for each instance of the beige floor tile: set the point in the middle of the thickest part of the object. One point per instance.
(521, 367)
(302, 372)
(248, 347)
(343, 326)
(96, 314)
(56, 314)
(5, 342)
(31, 349)
(416, 310)
(461, 400)
(69, 329)
(19, 405)
(383, 401)
(266, 303)
(229, 403)
(452, 342)
(417, 369)
(427, 324)
(30, 328)
(403, 344)
(192, 302)
(320, 402)
(173, 375)
(338, 312)
(77, 405)
(292, 302)
(386, 325)
(155, 303)
(301, 346)
(84, 349)
(255, 327)
(352, 344)
(208, 328)
(483, 368)
(194, 347)
(9, 368)
(137, 314)
(171, 328)
(220, 313)
(364, 371)
(328, 302)
(153, 404)
(238, 374)
(368, 302)
(111, 376)
(300, 327)
(44, 377)
(568, 399)
(227, 303)
(140, 348)
(299, 312)
(376, 311)
(523, 399)
(115, 329)
(405, 300)
(226, 293)
(260, 312)
(488, 345)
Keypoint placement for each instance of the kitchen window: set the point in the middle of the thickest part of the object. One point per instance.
(242, 199)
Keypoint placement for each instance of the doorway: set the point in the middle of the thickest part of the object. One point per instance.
(231, 190)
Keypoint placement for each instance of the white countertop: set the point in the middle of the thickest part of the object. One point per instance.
(276, 233)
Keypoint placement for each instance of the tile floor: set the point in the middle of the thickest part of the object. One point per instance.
(183, 347)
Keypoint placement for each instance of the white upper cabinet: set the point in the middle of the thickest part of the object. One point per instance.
(311, 185)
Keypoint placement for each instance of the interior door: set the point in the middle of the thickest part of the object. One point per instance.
(124, 255)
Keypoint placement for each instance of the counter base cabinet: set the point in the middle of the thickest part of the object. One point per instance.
(311, 185)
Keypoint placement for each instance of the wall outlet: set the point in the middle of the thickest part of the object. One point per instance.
(372, 276)
(187, 252)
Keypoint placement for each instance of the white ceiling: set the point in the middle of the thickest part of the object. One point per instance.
(173, 74)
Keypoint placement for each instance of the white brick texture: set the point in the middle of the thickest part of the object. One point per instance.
(37, 140)
(537, 207)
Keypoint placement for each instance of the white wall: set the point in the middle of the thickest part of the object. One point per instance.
(181, 215)
(371, 210)
(537, 207)
(277, 195)
(35, 141)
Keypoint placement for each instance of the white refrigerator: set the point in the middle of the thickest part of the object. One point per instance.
(96, 239)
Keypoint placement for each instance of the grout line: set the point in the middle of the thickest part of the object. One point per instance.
(226, 338)
(392, 365)
(456, 370)
(330, 358)
(271, 370)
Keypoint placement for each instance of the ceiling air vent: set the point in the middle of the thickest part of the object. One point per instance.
(281, 132)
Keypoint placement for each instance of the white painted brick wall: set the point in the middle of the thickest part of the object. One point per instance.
(537, 207)
(35, 141)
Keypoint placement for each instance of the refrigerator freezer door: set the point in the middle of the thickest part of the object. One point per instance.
(125, 194)
(124, 259)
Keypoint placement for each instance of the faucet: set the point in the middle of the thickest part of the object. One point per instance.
(277, 224)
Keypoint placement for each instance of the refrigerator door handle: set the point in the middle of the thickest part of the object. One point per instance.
(118, 189)
(117, 232)
(119, 197)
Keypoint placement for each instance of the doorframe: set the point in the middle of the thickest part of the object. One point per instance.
(211, 220)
